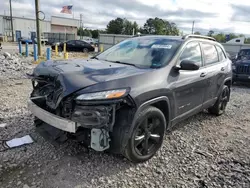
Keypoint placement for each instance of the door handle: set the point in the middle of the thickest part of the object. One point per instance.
(203, 74)
(222, 68)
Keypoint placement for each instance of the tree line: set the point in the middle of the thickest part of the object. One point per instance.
(154, 26)
(223, 38)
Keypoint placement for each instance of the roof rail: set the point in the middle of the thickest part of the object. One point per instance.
(198, 36)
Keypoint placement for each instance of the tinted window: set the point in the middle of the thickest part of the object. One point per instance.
(78, 42)
(244, 52)
(210, 53)
(221, 54)
(71, 42)
(142, 51)
(192, 52)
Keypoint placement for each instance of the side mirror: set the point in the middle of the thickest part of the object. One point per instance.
(189, 65)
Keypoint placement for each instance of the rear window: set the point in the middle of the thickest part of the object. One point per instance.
(210, 53)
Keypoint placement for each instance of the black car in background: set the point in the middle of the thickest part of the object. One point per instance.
(75, 46)
(241, 66)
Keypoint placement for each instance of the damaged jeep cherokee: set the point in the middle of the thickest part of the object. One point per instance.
(124, 99)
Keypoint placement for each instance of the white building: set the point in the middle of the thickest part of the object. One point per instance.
(26, 27)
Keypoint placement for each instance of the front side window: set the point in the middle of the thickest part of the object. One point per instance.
(80, 43)
(210, 54)
(192, 52)
(151, 52)
(71, 42)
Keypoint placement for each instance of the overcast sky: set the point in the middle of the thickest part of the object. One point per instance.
(218, 15)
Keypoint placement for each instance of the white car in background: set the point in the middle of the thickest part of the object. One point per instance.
(89, 40)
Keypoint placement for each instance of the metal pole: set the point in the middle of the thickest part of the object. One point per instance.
(11, 20)
(37, 3)
(81, 26)
(20, 47)
(27, 49)
(193, 28)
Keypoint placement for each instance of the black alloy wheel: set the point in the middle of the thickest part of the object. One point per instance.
(220, 106)
(147, 136)
(224, 99)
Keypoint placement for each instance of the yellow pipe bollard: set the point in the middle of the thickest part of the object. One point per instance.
(64, 48)
(101, 47)
(66, 55)
(56, 49)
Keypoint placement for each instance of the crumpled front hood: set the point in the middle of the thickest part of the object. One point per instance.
(77, 74)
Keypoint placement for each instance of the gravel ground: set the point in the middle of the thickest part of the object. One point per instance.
(204, 151)
(14, 66)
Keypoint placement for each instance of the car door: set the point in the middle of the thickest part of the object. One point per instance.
(79, 45)
(71, 45)
(214, 65)
(189, 85)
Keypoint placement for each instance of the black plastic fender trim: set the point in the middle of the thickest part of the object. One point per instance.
(142, 107)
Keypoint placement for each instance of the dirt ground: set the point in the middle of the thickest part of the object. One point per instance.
(203, 151)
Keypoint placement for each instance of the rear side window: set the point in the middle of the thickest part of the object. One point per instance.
(210, 54)
(221, 54)
(192, 52)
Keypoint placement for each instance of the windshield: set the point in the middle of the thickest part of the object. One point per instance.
(245, 52)
(142, 52)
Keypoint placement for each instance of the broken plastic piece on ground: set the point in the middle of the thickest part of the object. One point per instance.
(2, 125)
(19, 141)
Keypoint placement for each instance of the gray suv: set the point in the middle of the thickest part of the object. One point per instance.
(124, 99)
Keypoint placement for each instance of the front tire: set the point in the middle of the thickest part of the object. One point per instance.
(220, 106)
(60, 49)
(147, 136)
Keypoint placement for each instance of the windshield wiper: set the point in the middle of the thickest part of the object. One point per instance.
(123, 63)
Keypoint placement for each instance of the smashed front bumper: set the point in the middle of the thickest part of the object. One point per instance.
(52, 119)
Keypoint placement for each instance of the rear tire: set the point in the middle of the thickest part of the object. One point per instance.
(85, 50)
(147, 135)
(221, 103)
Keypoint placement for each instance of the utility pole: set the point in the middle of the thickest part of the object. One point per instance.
(193, 28)
(37, 4)
(11, 20)
(81, 26)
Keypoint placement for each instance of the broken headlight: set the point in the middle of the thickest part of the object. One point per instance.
(111, 94)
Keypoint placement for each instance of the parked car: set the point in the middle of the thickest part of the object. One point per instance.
(75, 46)
(241, 66)
(89, 40)
(25, 40)
(44, 41)
(124, 99)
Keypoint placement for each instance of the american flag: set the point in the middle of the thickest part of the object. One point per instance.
(67, 9)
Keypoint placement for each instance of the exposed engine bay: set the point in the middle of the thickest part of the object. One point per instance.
(90, 123)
